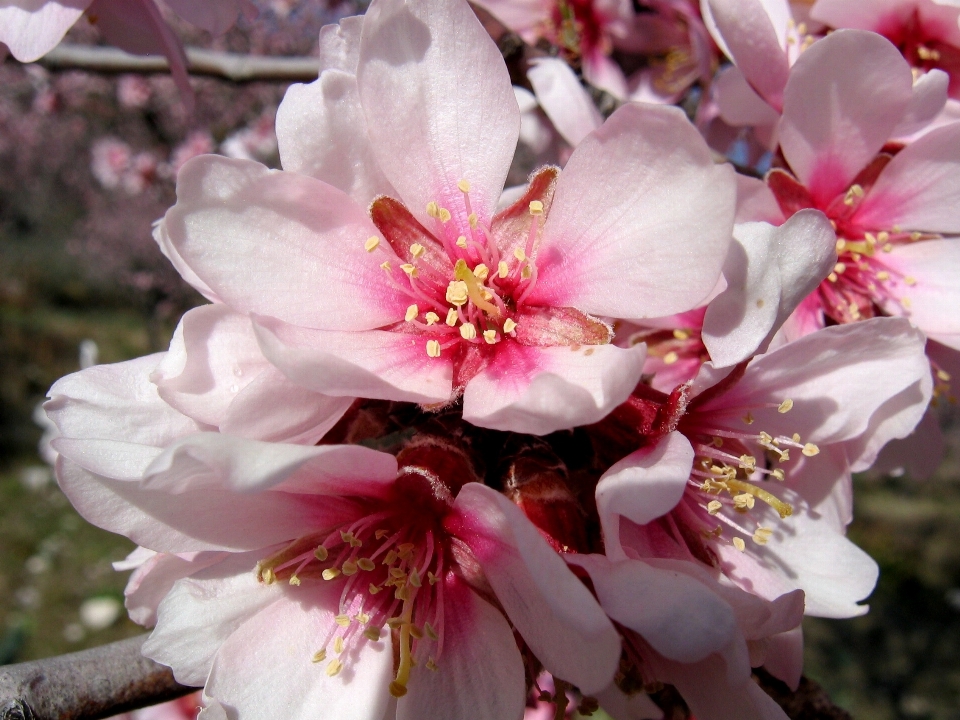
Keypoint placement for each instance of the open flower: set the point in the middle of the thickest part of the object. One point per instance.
(432, 294)
(747, 471)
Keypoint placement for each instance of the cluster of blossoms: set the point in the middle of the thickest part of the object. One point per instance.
(437, 449)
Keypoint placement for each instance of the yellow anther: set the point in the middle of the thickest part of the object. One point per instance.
(681, 334)
(883, 275)
(536, 207)
(433, 210)
(432, 318)
(748, 462)
(468, 331)
(943, 375)
(366, 564)
(717, 442)
(670, 358)
(503, 269)
(414, 579)
(748, 419)
(319, 656)
(739, 544)
(853, 193)
(338, 645)
(713, 507)
(743, 501)
(371, 244)
(464, 186)
(461, 242)
(433, 348)
(334, 667)
(457, 293)
(330, 573)
(481, 271)
(883, 236)
(783, 509)
(431, 665)
(519, 254)
(394, 622)
(372, 633)
(462, 273)
(810, 450)
(363, 618)
(432, 578)
(410, 270)
(910, 280)
(778, 474)
(268, 576)
(430, 632)
(294, 580)
(398, 573)
(321, 553)
(905, 301)
(509, 325)
(915, 236)
(451, 317)
(385, 265)
(526, 273)
(490, 336)
(402, 593)
(888, 247)
(832, 277)
(397, 690)
(417, 250)
(762, 535)
(841, 244)
(786, 406)
(444, 215)
(840, 268)
(374, 589)
(472, 219)
(412, 313)
(416, 632)
(381, 533)
(342, 620)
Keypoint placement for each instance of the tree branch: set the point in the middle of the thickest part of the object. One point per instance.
(87, 685)
(229, 66)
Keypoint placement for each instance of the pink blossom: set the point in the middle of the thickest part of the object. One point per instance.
(114, 166)
(742, 469)
(197, 143)
(433, 294)
(256, 141)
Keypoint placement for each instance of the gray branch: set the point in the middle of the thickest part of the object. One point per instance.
(231, 66)
(87, 685)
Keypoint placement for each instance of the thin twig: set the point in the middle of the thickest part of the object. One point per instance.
(86, 685)
(230, 66)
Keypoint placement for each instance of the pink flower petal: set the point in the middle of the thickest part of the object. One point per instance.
(640, 205)
(920, 188)
(928, 101)
(784, 657)
(479, 673)
(739, 103)
(322, 133)
(32, 29)
(845, 96)
(564, 99)
(265, 668)
(280, 244)
(214, 16)
(544, 600)
(372, 364)
(934, 295)
(438, 100)
(340, 45)
(539, 390)
(756, 202)
(162, 238)
(202, 611)
(754, 46)
(769, 271)
(678, 616)
(645, 485)
(150, 583)
(874, 15)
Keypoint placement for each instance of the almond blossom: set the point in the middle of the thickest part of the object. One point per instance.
(334, 571)
(747, 471)
(428, 293)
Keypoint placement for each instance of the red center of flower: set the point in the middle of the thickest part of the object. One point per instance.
(390, 558)
(921, 42)
(577, 26)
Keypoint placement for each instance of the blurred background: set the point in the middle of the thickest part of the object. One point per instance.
(88, 162)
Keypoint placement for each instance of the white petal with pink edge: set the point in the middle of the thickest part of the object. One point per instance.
(340, 45)
(544, 600)
(280, 244)
(265, 668)
(645, 485)
(322, 133)
(920, 188)
(439, 104)
(929, 98)
(845, 96)
(202, 611)
(640, 222)
(478, 675)
(32, 29)
(539, 390)
(564, 99)
(769, 271)
(372, 364)
(150, 583)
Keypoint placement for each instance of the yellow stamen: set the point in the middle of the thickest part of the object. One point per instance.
(432, 318)
(472, 219)
(503, 269)
(713, 507)
(321, 553)
(786, 406)
(457, 292)
(461, 242)
(782, 508)
(417, 250)
(468, 331)
(372, 633)
(385, 265)
(330, 573)
(371, 244)
(412, 313)
(536, 207)
(810, 450)
(481, 271)
(410, 270)
(462, 272)
(342, 620)
(739, 544)
(509, 325)
(444, 215)
(319, 656)
(681, 334)
(490, 336)
(433, 210)
(334, 667)
(762, 535)
(519, 254)
(433, 348)
(365, 564)
(338, 645)
(670, 358)
(295, 581)
(451, 317)
(464, 186)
